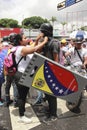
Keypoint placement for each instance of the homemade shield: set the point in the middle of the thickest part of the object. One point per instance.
(52, 78)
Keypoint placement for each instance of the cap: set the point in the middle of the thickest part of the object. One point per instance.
(63, 41)
(5, 43)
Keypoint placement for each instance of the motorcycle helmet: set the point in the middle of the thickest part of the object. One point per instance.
(47, 29)
(79, 39)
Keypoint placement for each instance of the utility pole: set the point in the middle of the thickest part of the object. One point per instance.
(23, 22)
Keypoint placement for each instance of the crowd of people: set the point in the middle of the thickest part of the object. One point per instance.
(72, 52)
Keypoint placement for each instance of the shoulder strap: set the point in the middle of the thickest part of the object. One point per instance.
(80, 58)
(20, 60)
(79, 55)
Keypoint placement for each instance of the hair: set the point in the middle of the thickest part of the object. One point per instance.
(17, 39)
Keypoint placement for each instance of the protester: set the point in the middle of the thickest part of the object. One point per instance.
(63, 49)
(77, 50)
(10, 79)
(3, 52)
(24, 50)
(50, 50)
(5, 41)
(84, 44)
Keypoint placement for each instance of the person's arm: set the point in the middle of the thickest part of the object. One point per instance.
(32, 49)
(69, 51)
(38, 38)
(85, 62)
(67, 54)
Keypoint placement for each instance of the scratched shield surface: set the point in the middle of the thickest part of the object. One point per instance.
(52, 78)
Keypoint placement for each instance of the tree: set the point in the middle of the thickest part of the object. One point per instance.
(82, 28)
(53, 19)
(13, 23)
(63, 24)
(8, 23)
(34, 22)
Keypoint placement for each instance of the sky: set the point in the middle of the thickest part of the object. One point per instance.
(20, 9)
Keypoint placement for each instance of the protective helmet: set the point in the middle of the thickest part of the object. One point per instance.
(47, 29)
(63, 41)
(79, 39)
(12, 37)
(5, 38)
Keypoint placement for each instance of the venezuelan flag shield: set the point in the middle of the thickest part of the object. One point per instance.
(55, 80)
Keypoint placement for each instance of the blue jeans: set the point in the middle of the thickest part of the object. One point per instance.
(15, 91)
(39, 97)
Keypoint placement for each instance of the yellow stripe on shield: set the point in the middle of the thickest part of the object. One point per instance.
(39, 81)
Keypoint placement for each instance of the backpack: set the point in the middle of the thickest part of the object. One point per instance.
(10, 65)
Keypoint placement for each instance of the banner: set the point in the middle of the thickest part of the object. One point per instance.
(67, 3)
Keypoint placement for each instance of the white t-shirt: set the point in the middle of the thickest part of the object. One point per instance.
(75, 59)
(24, 62)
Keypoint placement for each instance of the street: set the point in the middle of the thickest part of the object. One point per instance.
(66, 119)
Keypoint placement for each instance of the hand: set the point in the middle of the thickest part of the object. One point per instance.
(84, 66)
(39, 36)
(45, 39)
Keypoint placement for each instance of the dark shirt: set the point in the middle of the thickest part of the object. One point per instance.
(51, 47)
